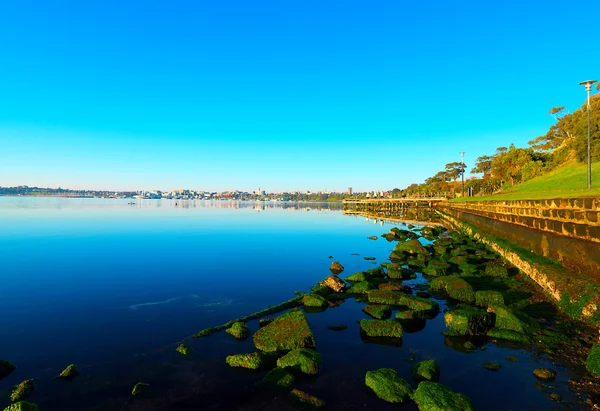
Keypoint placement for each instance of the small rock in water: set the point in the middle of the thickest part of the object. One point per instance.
(22, 391)
(336, 267)
(184, 349)
(139, 388)
(555, 397)
(68, 373)
(306, 399)
(238, 330)
(373, 237)
(512, 358)
(22, 406)
(544, 374)
(492, 366)
(370, 258)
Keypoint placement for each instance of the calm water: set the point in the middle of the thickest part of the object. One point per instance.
(115, 287)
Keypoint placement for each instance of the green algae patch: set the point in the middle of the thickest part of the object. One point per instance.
(545, 374)
(381, 328)
(455, 287)
(375, 272)
(6, 367)
(184, 349)
(409, 315)
(321, 290)
(467, 321)
(509, 335)
(436, 268)
(593, 361)
(279, 377)
(287, 332)
(496, 268)
(303, 360)
(360, 288)
(402, 299)
(139, 388)
(306, 399)
(428, 370)
(387, 385)
(487, 298)
(507, 319)
(492, 366)
(380, 312)
(315, 300)
(401, 273)
(238, 330)
(22, 391)
(358, 277)
(253, 361)
(410, 248)
(68, 373)
(432, 396)
(395, 285)
(22, 406)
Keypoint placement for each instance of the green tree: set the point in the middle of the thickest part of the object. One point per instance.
(483, 164)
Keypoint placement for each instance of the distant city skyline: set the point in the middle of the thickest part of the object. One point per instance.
(284, 96)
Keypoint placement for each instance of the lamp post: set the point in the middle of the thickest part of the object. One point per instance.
(462, 171)
(588, 88)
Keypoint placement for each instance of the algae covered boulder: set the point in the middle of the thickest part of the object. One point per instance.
(139, 388)
(507, 319)
(303, 360)
(336, 267)
(253, 361)
(492, 366)
(487, 298)
(467, 321)
(22, 391)
(395, 285)
(436, 268)
(321, 290)
(545, 374)
(387, 385)
(455, 287)
(496, 268)
(432, 396)
(68, 373)
(238, 330)
(184, 349)
(593, 361)
(279, 377)
(410, 248)
(360, 288)
(306, 399)
(287, 332)
(380, 312)
(430, 231)
(334, 283)
(22, 406)
(381, 328)
(315, 300)
(428, 370)
(508, 335)
(6, 367)
(358, 277)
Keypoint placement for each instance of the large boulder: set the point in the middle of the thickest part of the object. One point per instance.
(379, 312)
(381, 328)
(455, 287)
(303, 360)
(360, 288)
(287, 332)
(337, 285)
(467, 321)
(315, 300)
(387, 385)
(432, 396)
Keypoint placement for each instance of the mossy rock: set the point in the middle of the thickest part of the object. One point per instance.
(321, 290)
(496, 268)
(21, 392)
(387, 385)
(279, 377)
(507, 319)
(398, 234)
(315, 300)
(486, 298)
(306, 399)
(401, 273)
(428, 370)
(467, 321)
(68, 373)
(358, 277)
(436, 268)
(492, 366)
(545, 374)
(395, 285)
(455, 287)
(430, 232)
(253, 361)
(336, 267)
(508, 335)
(287, 332)
(238, 330)
(303, 360)
(22, 406)
(446, 242)
(433, 396)
(468, 270)
(184, 349)
(411, 248)
(379, 312)
(360, 288)
(593, 361)
(458, 260)
(381, 328)
(6, 367)
(139, 388)
(375, 272)
(402, 299)
(409, 315)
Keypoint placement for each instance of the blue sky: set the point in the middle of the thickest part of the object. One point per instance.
(282, 95)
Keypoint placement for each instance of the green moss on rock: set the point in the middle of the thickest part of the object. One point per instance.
(432, 396)
(380, 312)
(306, 399)
(508, 335)
(436, 268)
(408, 315)
(428, 370)
(593, 361)
(486, 298)
(22, 391)
(303, 360)
(6, 367)
(360, 288)
(287, 332)
(253, 361)
(315, 300)
(238, 330)
(401, 273)
(467, 321)
(507, 319)
(139, 388)
(381, 328)
(455, 287)
(387, 385)
(492, 366)
(358, 277)
(22, 406)
(321, 290)
(410, 248)
(545, 374)
(184, 349)
(68, 373)
(402, 299)
(395, 285)
(279, 377)
(496, 268)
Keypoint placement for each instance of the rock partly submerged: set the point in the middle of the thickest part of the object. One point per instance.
(306, 399)
(287, 332)
(238, 330)
(433, 396)
(6, 367)
(428, 370)
(381, 328)
(304, 360)
(253, 361)
(336, 284)
(22, 406)
(68, 373)
(22, 391)
(387, 385)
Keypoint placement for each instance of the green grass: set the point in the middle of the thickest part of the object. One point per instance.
(569, 181)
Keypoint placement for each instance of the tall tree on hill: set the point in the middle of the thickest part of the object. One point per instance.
(518, 164)
(454, 170)
(483, 164)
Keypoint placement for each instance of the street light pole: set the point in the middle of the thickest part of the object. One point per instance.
(588, 88)
(462, 168)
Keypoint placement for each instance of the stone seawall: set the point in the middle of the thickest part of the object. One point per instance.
(575, 217)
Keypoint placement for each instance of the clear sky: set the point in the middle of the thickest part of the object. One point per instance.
(282, 95)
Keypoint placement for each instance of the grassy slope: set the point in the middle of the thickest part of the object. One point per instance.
(568, 181)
